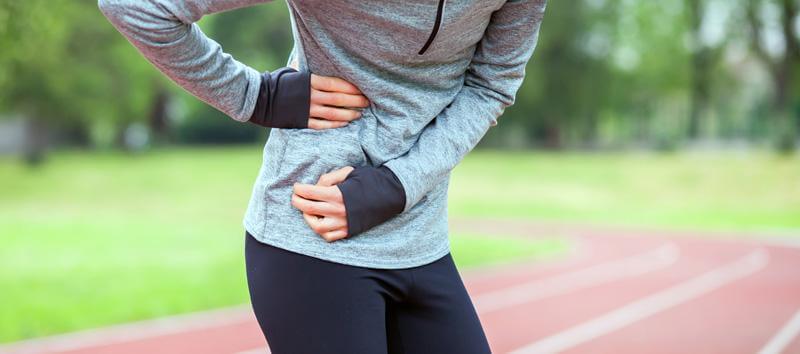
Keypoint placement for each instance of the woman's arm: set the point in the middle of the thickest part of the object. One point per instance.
(165, 32)
(490, 85)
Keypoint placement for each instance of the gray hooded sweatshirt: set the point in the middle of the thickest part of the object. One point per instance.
(438, 75)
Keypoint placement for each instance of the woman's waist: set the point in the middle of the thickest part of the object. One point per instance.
(370, 140)
(303, 155)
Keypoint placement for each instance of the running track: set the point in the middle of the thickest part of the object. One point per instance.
(620, 291)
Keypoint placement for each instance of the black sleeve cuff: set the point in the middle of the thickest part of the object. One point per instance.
(371, 196)
(284, 99)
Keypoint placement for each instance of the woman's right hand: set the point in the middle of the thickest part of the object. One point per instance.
(334, 102)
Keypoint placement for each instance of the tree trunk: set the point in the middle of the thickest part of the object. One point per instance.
(159, 121)
(782, 120)
(702, 64)
(35, 143)
(784, 80)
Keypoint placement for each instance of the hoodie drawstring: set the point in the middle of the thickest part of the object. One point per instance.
(439, 15)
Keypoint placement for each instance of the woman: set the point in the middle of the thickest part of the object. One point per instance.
(346, 231)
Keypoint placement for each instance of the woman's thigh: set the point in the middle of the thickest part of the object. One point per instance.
(437, 316)
(307, 305)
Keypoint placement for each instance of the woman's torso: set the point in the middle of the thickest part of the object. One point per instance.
(375, 45)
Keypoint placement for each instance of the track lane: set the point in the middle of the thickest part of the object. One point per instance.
(640, 309)
(589, 276)
(513, 327)
(517, 327)
(739, 317)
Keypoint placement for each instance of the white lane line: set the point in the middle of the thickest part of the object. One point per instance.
(256, 351)
(561, 284)
(133, 331)
(786, 242)
(784, 337)
(650, 305)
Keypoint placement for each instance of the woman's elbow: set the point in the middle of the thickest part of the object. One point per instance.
(143, 21)
(114, 9)
(124, 14)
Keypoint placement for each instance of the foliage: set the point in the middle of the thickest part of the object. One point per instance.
(606, 73)
(64, 65)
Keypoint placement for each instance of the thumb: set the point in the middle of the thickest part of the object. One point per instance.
(335, 177)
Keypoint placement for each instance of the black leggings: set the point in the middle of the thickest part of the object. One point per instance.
(308, 305)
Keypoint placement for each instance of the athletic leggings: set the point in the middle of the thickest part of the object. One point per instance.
(306, 305)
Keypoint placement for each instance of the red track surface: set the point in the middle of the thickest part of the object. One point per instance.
(620, 291)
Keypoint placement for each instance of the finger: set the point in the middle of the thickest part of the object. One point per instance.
(320, 124)
(335, 177)
(315, 223)
(338, 99)
(325, 224)
(333, 84)
(317, 208)
(319, 193)
(335, 235)
(332, 113)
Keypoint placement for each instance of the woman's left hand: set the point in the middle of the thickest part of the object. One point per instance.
(322, 204)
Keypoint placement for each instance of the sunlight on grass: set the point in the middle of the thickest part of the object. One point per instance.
(68, 276)
(94, 239)
(729, 191)
(473, 251)
(90, 239)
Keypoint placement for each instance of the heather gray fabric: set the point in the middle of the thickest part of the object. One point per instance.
(426, 113)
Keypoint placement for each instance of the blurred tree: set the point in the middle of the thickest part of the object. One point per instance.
(64, 67)
(24, 63)
(782, 63)
(558, 104)
(606, 74)
(259, 36)
(705, 56)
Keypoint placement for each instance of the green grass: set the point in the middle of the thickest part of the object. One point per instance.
(93, 239)
(707, 191)
(90, 239)
(472, 250)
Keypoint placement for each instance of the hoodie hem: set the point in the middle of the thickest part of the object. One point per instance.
(353, 261)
